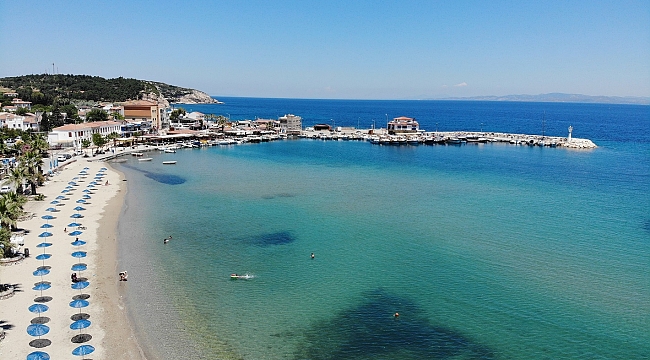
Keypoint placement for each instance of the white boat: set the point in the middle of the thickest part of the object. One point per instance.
(137, 154)
(170, 151)
(171, 162)
(242, 277)
(145, 159)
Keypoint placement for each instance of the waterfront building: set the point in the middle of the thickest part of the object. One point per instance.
(290, 124)
(71, 135)
(145, 111)
(403, 125)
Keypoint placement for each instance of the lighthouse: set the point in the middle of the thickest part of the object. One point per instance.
(570, 131)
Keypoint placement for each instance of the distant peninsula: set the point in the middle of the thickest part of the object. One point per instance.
(561, 97)
(45, 89)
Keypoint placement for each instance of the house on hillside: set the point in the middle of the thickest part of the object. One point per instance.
(25, 122)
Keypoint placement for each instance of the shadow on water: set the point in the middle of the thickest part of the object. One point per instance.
(280, 195)
(271, 239)
(162, 178)
(370, 331)
(646, 225)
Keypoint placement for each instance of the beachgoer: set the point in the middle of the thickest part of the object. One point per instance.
(396, 315)
(312, 255)
(65, 230)
(73, 277)
(106, 182)
(123, 276)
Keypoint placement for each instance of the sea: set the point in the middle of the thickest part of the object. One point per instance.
(488, 251)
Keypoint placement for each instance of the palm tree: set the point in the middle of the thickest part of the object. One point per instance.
(33, 162)
(17, 177)
(112, 136)
(11, 208)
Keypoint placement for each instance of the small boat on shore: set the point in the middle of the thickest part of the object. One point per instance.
(241, 277)
(170, 162)
(145, 159)
(137, 154)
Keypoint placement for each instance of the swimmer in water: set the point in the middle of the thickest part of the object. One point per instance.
(166, 240)
(313, 256)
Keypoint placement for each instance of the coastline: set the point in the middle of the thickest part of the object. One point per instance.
(111, 330)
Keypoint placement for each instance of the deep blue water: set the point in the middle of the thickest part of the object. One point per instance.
(487, 251)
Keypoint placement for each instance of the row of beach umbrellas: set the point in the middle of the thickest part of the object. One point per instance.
(80, 321)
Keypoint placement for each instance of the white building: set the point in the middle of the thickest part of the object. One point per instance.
(290, 124)
(71, 135)
(22, 122)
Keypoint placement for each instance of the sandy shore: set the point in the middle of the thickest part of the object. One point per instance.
(112, 334)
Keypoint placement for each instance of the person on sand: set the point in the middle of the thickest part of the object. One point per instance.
(73, 277)
(123, 276)
(65, 230)
(106, 183)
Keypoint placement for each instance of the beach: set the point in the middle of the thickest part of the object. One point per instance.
(111, 333)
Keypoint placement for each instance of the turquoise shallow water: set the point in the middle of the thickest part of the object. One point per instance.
(491, 252)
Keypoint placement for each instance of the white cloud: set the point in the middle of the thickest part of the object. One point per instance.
(461, 84)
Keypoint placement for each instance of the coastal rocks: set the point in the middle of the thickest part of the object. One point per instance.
(196, 97)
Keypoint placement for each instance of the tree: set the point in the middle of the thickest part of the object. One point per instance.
(176, 113)
(117, 116)
(32, 161)
(45, 123)
(112, 136)
(11, 208)
(98, 140)
(56, 118)
(17, 177)
(85, 144)
(5, 244)
(22, 111)
(96, 115)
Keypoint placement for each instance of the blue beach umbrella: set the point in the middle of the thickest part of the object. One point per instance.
(80, 324)
(72, 183)
(38, 329)
(83, 350)
(78, 304)
(79, 254)
(78, 243)
(76, 216)
(86, 196)
(43, 256)
(41, 286)
(41, 272)
(44, 245)
(87, 191)
(47, 226)
(55, 202)
(69, 187)
(61, 197)
(51, 209)
(81, 201)
(38, 308)
(74, 224)
(79, 267)
(47, 217)
(75, 233)
(80, 285)
(91, 185)
(103, 169)
(38, 355)
(45, 234)
(65, 191)
(79, 208)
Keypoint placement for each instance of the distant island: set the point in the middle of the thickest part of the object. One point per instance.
(560, 97)
(44, 89)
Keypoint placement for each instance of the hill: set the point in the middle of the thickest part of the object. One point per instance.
(561, 97)
(44, 89)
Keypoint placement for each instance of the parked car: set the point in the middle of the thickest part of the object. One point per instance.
(5, 189)
(61, 158)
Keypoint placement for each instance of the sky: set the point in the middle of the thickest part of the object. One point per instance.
(339, 49)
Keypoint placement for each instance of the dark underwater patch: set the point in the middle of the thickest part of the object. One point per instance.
(165, 178)
(370, 331)
(271, 239)
(646, 225)
(162, 178)
(280, 195)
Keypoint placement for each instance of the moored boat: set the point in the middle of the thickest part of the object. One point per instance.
(145, 159)
(170, 162)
